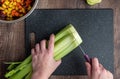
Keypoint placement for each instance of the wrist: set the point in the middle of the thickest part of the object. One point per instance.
(38, 75)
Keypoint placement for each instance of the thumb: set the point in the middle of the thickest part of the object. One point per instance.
(58, 62)
(88, 68)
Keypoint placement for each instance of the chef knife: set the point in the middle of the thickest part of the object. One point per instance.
(87, 58)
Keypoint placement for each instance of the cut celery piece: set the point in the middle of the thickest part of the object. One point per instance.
(93, 2)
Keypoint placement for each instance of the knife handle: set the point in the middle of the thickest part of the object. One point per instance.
(88, 59)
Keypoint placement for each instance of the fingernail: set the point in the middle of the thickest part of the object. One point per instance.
(52, 34)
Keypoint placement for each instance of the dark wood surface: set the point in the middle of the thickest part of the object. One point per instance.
(12, 39)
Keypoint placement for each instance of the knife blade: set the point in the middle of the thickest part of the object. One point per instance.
(87, 58)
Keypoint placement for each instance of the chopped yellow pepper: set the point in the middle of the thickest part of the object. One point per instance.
(15, 8)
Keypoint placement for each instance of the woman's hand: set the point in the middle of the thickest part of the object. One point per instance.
(97, 71)
(43, 62)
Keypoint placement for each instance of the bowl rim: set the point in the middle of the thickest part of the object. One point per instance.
(23, 17)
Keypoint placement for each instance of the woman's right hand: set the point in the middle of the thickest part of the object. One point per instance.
(97, 71)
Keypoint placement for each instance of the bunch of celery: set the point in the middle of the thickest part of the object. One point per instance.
(65, 41)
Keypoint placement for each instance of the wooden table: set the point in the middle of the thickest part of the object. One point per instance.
(12, 42)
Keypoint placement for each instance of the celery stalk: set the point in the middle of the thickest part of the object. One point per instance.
(22, 73)
(73, 38)
(13, 71)
(12, 65)
(26, 61)
(11, 62)
(61, 44)
(19, 67)
(65, 41)
(63, 32)
(65, 52)
(58, 57)
(29, 75)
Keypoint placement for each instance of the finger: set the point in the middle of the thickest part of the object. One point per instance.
(110, 75)
(88, 67)
(95, 64)
(58, 62)
(51, 43)
(95, 67)
(32, 52)
(37, 48)
(34, 56)
(43, 45)
(101, 66)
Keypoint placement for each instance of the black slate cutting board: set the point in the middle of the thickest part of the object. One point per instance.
(94, 26)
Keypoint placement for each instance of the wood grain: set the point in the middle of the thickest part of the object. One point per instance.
(12, 46)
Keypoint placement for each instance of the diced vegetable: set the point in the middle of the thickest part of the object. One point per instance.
(12, 9)
(65, 41)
